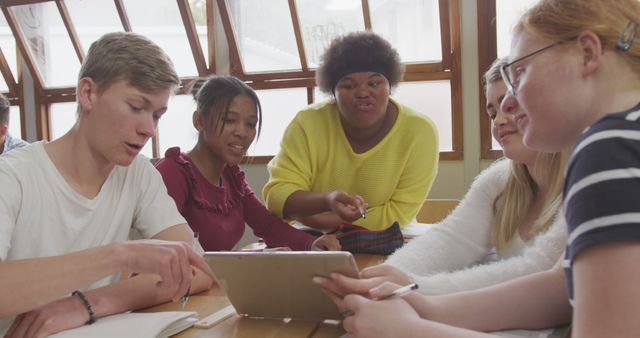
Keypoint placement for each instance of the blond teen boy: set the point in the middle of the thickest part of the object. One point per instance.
(67, 206)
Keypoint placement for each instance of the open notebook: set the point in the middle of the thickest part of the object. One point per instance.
(139, 325)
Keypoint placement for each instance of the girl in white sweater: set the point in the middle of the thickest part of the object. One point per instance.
(505, 227)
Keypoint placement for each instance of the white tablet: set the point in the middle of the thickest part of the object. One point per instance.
(278, 284)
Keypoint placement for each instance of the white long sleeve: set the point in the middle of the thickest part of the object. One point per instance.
(461, 239)
(442, 260)
(542, 255)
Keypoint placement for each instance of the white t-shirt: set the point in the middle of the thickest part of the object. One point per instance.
(42, 215)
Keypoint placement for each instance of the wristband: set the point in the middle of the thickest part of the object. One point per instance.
(87, 305)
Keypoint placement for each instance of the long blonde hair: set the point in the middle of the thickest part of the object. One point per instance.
(513, 204)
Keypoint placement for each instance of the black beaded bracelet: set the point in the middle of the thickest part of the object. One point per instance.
(87, 305)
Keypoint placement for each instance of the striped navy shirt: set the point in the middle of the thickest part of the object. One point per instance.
(602, 186)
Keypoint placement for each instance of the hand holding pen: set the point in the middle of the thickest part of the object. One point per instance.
(393, 317)
(361, 205)
(403, 290)
(348, 208)
(194, 245)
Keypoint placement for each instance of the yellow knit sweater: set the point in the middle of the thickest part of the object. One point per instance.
(394, 176)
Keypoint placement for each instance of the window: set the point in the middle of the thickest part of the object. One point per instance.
(278, 45)
(272, 45)
(9, 84)
(15, 124)
(48, 44)
(9, 57)
(496, 19)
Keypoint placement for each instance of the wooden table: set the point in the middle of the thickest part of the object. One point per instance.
(237, 326)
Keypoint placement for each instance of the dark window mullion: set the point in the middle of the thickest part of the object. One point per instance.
(8, 75)
(211, 35)
(8, 3)
(235, 61)
(454, 57)
(43, 117)
(73, 35)
(366, 14)
(122, 13)
(23, 47)
(192, 36)
(487, 52)
(310, 95)
(295, 20)
(445, 33)
(155, 145)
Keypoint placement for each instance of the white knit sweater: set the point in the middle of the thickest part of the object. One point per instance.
(446, 258)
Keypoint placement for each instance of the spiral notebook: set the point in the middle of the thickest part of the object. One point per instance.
(133, 324)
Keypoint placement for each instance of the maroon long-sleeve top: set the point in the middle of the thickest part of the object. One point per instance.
(219, 213)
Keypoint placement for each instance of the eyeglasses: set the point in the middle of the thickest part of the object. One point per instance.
(513, 80)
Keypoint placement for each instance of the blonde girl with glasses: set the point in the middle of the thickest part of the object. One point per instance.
(584, 94)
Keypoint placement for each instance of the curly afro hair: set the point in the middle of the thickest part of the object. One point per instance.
(358, 52)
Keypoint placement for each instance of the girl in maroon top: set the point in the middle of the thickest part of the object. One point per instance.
(209, 188)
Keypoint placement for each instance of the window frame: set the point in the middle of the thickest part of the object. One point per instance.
(487, 52)
(14, 93)
(448, 69)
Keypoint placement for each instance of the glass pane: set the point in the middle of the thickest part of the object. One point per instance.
(433, 99)
(63, 116)
(279, 107)
(49, 42)
(15, 124)
(265, 35)
(176, 127)
(92, 19)
(508, 13)
(160, 21)
(199, 12)
(321, 21)
(411, 26)
(320, 96)
(8, 46)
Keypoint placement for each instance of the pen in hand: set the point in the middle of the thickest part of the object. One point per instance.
(403, 290)
(363, 211)
(194, 243)
(400, 291)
